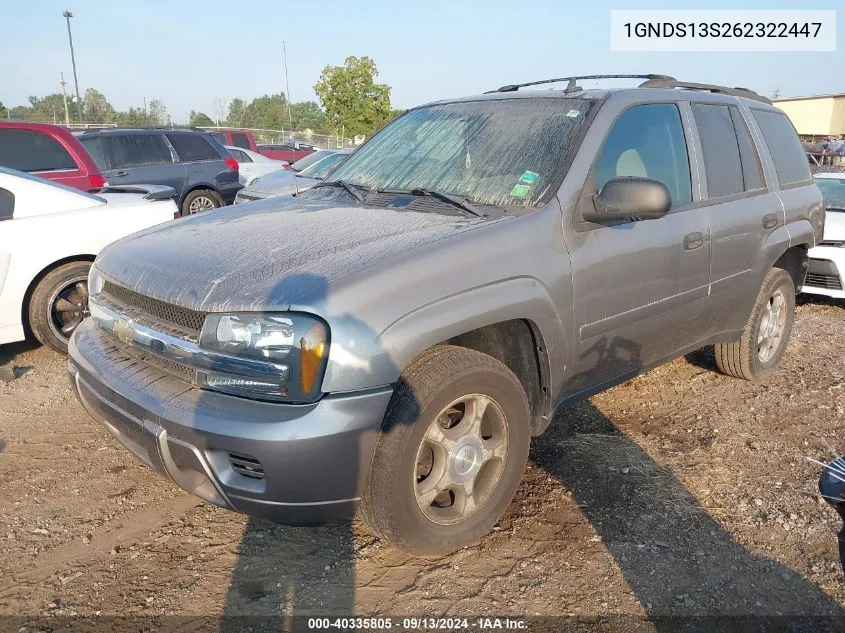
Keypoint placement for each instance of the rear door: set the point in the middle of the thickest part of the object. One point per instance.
(142, 158)
(638, 286)
(203, 163)
(37, 153)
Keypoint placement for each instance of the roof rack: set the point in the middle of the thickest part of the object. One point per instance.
(571, 85)
(651, 81)
(671, 82)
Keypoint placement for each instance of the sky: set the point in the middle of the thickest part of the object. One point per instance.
(189, 54)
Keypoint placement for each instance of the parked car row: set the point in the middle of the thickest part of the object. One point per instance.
(302, 175)
(289, 151)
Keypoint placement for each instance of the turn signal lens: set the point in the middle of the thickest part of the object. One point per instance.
(313, 349)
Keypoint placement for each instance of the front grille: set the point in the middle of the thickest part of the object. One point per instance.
(178, 370)
(155, 313)
(819, 280)
(246, 466)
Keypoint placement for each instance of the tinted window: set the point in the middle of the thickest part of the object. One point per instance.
(94, 146)
(192, 147)
(239, 156)
(784, 147)
(648, 141)
(136, 150)
(28, 150)
(220, 137)
(720, 149)
(752, 175)
(239, 139)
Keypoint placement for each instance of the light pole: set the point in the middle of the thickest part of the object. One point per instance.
(287, 88)
(68, 15)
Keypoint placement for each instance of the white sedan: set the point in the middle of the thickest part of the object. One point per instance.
(252, 165)
(826, 273)
(49, 235)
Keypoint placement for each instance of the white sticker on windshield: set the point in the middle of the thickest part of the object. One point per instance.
(573, 114)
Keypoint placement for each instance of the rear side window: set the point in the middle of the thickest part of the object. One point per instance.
(94, 146)
(136, 150)
(31, 151)
(752, 174)
(239, 139)
(240, 156)
(720, 148)
(219, 137)
(192, 147)
(785, 149)
(648, 141)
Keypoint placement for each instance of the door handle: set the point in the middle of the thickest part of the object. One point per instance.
(693, 241)
(120, 174)
(770, 220)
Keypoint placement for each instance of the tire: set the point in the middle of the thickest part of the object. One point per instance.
(447, 383)
(58, 304)
(201, 200)
(754, 356)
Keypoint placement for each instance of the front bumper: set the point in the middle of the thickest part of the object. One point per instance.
(288, 463)
(826, 272)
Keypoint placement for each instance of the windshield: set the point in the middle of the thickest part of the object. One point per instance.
(833, 192)
(309, 160)
(321, 168)
(497, 152)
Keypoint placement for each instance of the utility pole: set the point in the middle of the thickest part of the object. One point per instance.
(64, 96)
(287, 86)
(68, 15)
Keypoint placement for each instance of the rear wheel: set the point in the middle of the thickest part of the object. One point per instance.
(766, 334)
(450, 455)
(59, 303)
(201, 200)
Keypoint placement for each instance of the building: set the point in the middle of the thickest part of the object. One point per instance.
(815, 117)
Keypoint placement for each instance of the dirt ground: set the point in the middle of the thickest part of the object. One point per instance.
(679, 493)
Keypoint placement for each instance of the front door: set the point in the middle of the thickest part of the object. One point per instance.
(142, 158)
(638, 287)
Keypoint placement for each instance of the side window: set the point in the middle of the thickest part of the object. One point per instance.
(648, 141)
(219, 137)
(240, 156)
(192, 147)
(136, 150)
(94, 146)
(31, 151)
(239, 139)
(7, 204)
(785, 149)
(720, 148)
(752, 174)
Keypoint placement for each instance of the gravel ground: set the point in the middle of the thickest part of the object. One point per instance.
(679, 493)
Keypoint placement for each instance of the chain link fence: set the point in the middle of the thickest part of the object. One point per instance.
(265, 136)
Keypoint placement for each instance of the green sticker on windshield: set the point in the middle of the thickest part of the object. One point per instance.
(528, 178)
(520, 191)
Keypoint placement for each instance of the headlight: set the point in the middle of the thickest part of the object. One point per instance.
(295, 344)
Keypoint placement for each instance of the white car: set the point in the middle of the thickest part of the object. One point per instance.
(49, 235)
(252, 165)
(826, 274)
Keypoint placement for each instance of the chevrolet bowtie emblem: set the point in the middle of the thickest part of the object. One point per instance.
(124, 331)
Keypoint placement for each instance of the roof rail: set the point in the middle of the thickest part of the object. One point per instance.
(651, 81)
(571, 85)
(670, 82)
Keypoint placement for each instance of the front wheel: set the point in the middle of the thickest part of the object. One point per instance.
(201, 200)
(59, 303)
(763, 342)
(451, 453)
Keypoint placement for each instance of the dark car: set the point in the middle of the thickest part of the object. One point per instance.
(48, 151)
(200, 170)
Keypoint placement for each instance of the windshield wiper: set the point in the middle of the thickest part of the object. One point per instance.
(350, 189)
(456, 201)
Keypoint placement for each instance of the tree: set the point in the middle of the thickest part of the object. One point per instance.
(268, 112)
(4, 113)
(158, 113)
(352, 100)
(237, 108)
(200, 119)
(307, 115)
(96, 107)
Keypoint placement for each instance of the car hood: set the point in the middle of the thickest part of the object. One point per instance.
(834, 225)
(269, 183)
(270, 254)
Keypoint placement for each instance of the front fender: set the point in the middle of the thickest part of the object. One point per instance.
(391, 350)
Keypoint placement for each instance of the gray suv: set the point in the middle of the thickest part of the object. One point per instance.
(200, 170)
(387, 342)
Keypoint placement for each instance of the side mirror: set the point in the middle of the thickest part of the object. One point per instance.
(7, 204)
(631, 199)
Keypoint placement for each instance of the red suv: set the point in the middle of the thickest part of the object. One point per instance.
(49, 151)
